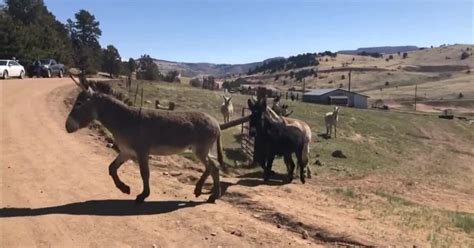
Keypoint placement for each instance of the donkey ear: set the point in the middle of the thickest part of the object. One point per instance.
(250, 103)
(78, 83)
(230, 98)
(90, 91)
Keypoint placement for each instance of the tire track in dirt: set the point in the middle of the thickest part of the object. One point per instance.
(286, 221)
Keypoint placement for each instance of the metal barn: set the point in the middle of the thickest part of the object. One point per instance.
(336, 97)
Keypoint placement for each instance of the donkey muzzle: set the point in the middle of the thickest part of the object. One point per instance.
(71, 125)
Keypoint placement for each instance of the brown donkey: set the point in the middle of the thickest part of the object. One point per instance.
(141, 132)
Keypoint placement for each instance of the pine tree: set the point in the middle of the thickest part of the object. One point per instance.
(147, 69)
(85, 33)
(111, 60)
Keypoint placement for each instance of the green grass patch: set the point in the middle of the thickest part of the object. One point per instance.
(346, 192)
(393, 199)
(464, 221)
(374, 141)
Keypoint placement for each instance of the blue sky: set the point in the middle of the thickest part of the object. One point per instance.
(248, 31)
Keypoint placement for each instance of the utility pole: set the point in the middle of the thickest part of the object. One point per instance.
(416, 89)
(304, 88)
(350, 73)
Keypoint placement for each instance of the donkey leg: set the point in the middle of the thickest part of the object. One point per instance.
(268, 168)
(113, 167)
(145, 173)
(302, 163)
(291, 165)
(200, 182)
(203, 157)
(216, 188)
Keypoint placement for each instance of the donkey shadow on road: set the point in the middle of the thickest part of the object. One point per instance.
(103, 208)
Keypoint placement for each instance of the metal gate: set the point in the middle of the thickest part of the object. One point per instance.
(247, 142)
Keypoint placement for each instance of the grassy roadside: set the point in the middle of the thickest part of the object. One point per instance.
(415, 148)
(374, 141)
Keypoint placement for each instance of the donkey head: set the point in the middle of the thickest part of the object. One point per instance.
(83, 111)
(258, 109)
(227, 100)
(285, 111)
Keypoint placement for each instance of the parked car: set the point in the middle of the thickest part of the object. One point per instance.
(11, 68)
(46, 68)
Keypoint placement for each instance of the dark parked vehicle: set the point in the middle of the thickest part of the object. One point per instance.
(46, 68)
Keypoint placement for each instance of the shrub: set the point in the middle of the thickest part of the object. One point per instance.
(341, 85)
(464, 55)
(460, 95)
(196, 82)
(390, 57)
(405, 55)
(343, 77)
(387, 83)
(171, 77)
(276, 77)
(375, 55)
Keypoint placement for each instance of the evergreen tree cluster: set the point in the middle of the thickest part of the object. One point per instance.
(293, 62)
(375, 55)
(28, 31)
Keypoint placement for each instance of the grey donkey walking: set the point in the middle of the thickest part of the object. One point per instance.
(141, 132)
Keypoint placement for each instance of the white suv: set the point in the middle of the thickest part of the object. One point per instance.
(11, 68)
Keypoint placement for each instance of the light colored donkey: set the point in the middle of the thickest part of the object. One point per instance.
(141, 132)
(303, 127)
(227, 109)
(331, 120)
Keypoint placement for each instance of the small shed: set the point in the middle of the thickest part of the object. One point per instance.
(336, 97)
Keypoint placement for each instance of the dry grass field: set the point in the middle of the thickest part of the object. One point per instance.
(407, 178)
(439, 73)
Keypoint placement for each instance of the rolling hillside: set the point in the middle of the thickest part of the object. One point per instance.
(196, 69)
(440, 73)
(384, 49)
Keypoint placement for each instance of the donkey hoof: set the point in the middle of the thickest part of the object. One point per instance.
(212, 199)
(125, 189)
(197, 192)
(140, 199)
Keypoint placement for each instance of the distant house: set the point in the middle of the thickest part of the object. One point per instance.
(336, 97)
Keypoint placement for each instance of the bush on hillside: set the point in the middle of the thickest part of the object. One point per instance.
(464, 55)
(196, 82)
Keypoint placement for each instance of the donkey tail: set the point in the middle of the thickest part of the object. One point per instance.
(220, 157)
